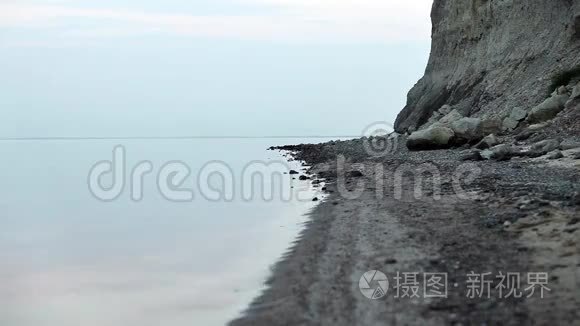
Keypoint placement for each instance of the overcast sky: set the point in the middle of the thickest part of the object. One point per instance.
(207, 67)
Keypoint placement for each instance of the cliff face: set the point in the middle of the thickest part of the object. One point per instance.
(488, 56)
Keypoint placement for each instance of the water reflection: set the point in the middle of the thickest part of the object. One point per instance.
(69, 259)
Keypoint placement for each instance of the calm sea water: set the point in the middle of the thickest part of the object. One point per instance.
(68, 258)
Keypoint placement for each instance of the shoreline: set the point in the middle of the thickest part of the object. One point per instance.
(317, 281)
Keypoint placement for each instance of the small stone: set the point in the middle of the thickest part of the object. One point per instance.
(487, 142)
(303, 177)
(507, 224)
(500, 152)
(293, 172)
(561, 90)
(315, 199)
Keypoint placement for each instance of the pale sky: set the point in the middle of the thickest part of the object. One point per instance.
(207, 66)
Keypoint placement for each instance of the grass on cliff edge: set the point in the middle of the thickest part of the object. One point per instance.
(563, 78)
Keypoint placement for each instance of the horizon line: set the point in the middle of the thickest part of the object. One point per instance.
(80, 138)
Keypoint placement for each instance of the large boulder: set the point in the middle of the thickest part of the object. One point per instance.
(450, 117)
(433, 138)
(548, 109)
(512, 121)
(467, 130)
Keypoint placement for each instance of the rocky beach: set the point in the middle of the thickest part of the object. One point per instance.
(480, 177)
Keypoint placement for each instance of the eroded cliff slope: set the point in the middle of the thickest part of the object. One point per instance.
(489, 56)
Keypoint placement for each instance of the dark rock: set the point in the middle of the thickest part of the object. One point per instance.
(315, 199)
(293, 172)
(472, 155)
(354, 174)
(329, 174)
(303, 177)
